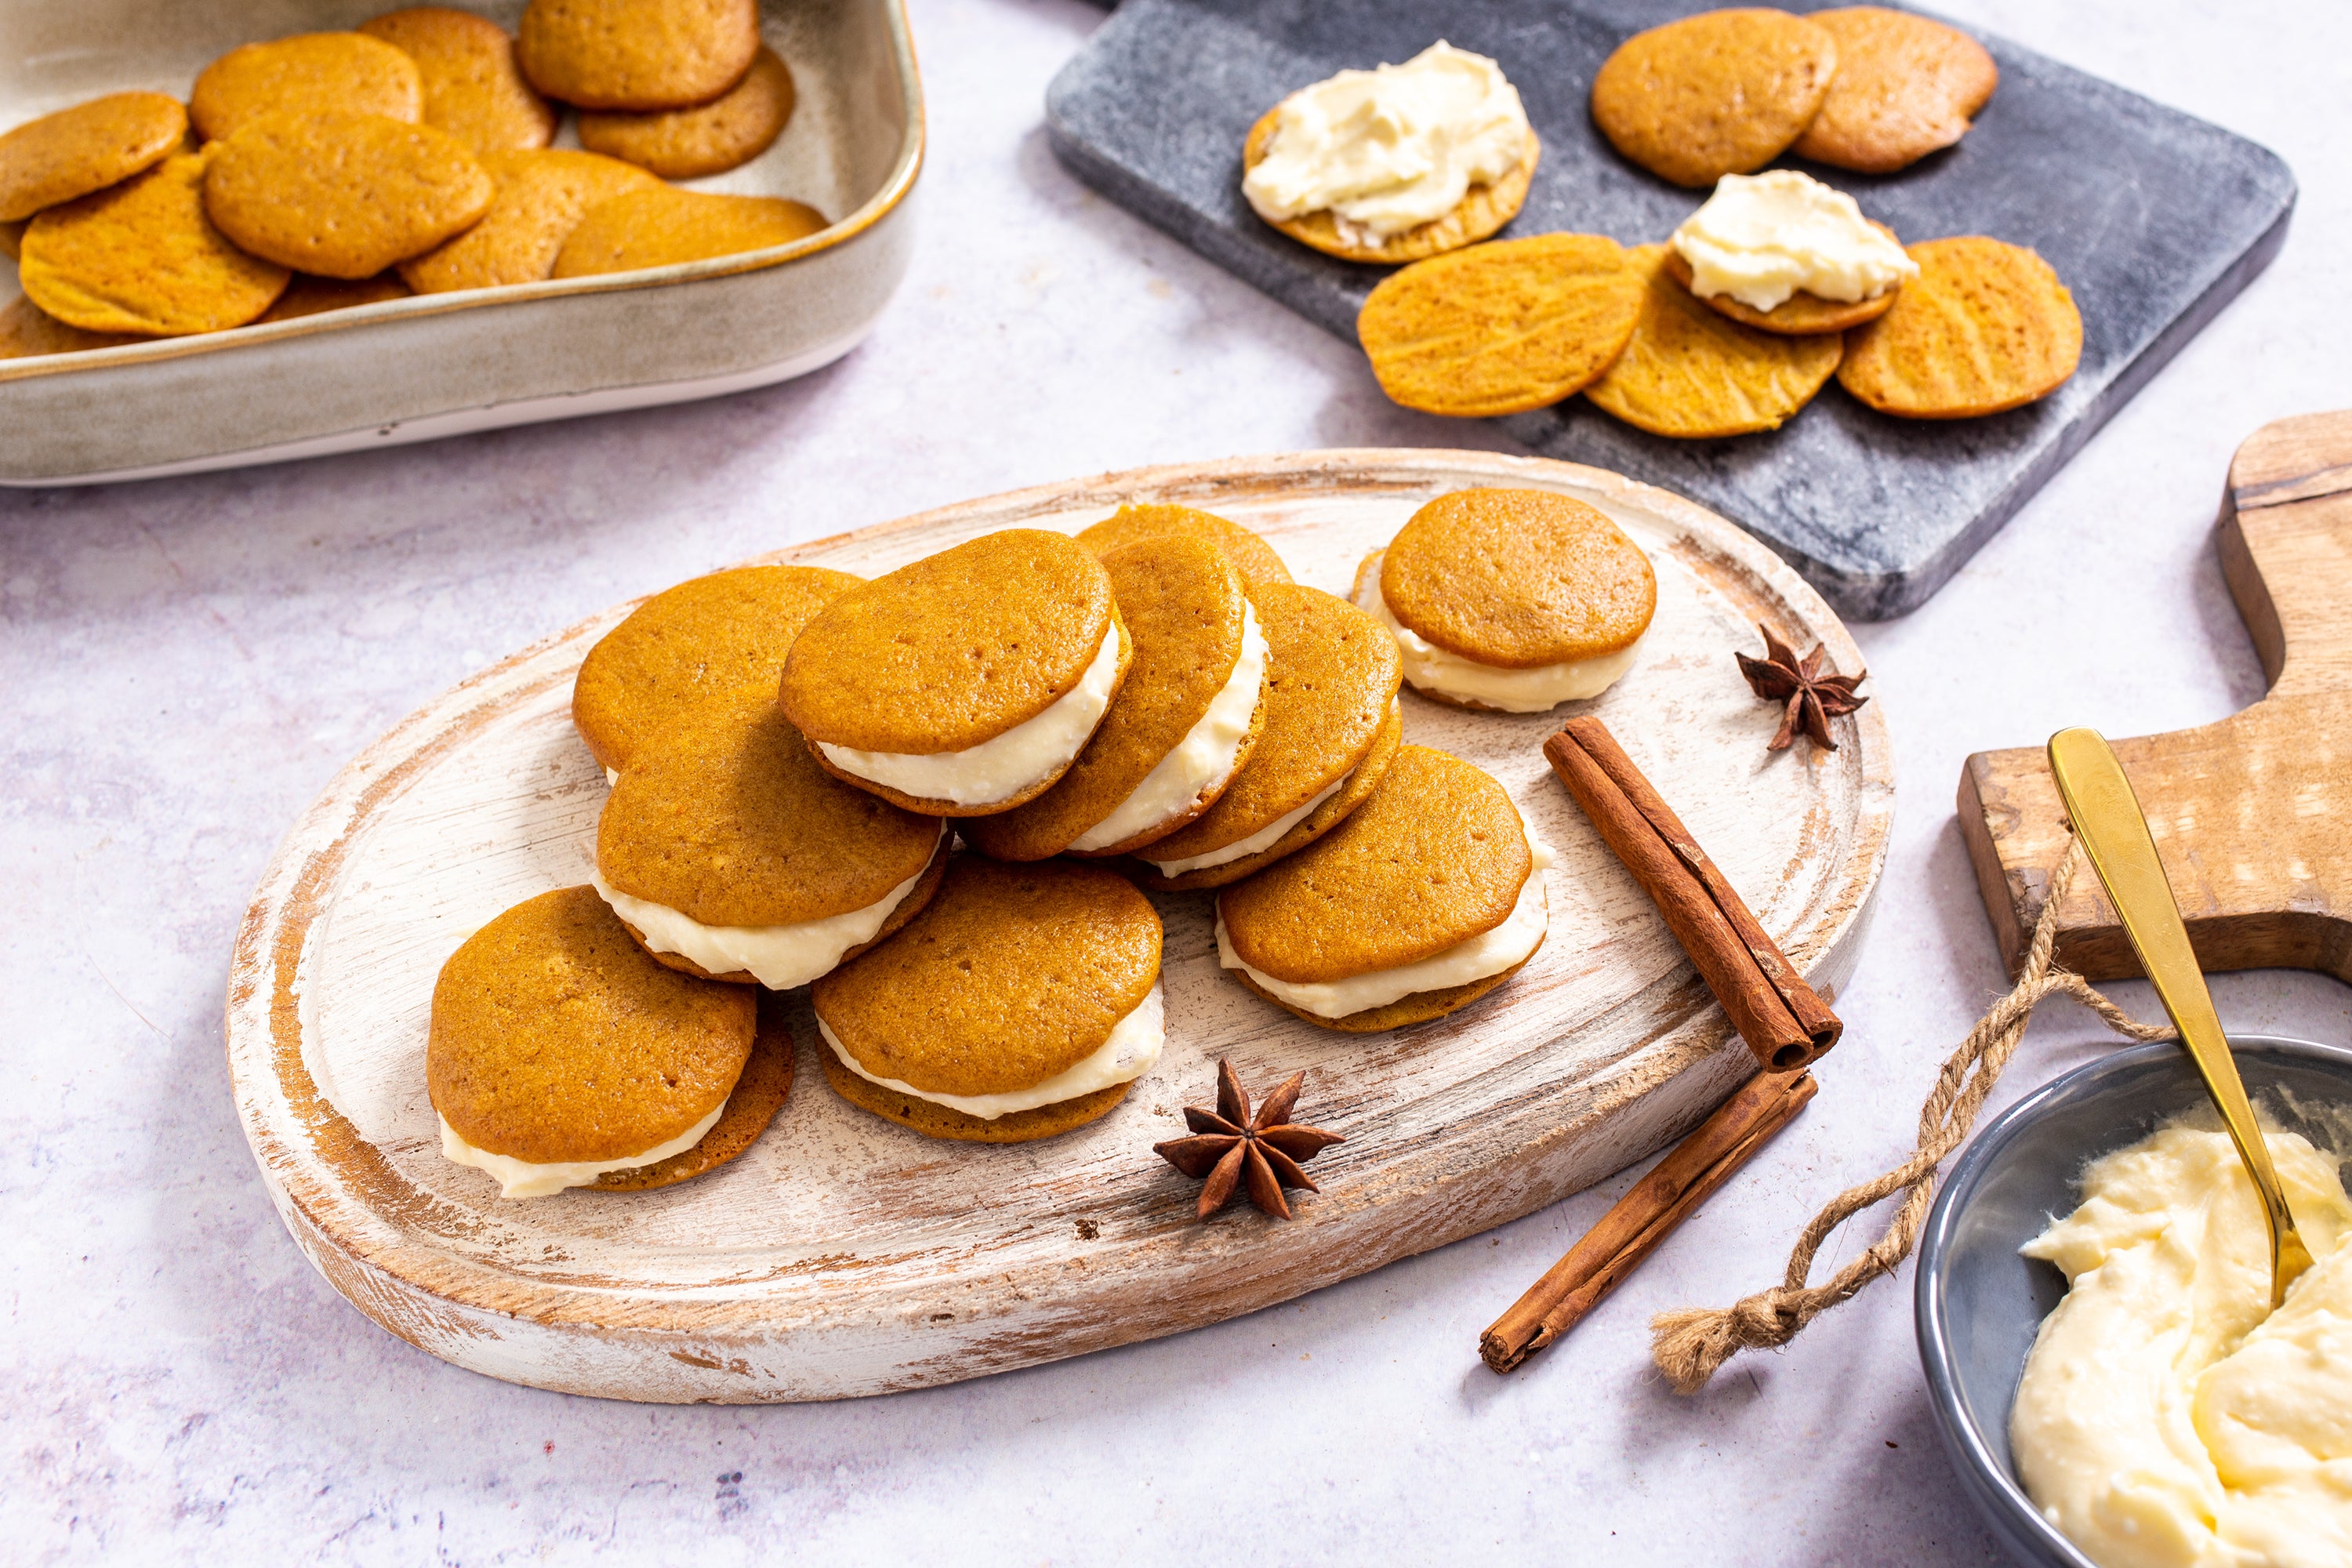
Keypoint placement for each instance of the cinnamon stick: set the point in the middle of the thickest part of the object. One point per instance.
(1638, 1221)
(1784, 1020)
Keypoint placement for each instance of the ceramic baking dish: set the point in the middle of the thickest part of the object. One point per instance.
(410, 369)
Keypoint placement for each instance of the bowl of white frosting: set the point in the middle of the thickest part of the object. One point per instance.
(2095, 1320)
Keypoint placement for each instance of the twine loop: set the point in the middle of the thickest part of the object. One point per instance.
(1691, 1345)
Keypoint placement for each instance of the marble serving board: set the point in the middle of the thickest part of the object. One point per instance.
(2154, 219)
(845, 1255)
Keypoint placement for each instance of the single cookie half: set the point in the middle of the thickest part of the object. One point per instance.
(1441, 853)
(70, 153)
(1181, 727)
(28, 331)
(730, 854)
(541, 197)
(472, 87)
(142, 256)
(1723, 93)
(1801, 315)
(690, 655)
(1020, 1004)
(1695, 374)
(1252, 556)
(343, 195)
(1501, 328)
(558, 1051)
(637, 55)
(966, 683)
(1984, 327)
(685, 143)
(308, 296)
(1394, 163)
(1905, 87)
(666, 228)
(1511, 601)
(1483, 211)
(1330, 726)
(340, 73)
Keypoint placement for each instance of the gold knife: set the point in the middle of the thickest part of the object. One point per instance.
(2108, 820)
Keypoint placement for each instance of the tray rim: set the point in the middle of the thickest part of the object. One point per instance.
(894, 190)
(383, 1268)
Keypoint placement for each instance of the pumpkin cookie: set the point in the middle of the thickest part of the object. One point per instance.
(1395, 163)
(731, 854)
(341, 73)
(758, 1095)
(541, 197)
(142, 256)
(966, 683)
(1511, 601)
(472, 88)
(1022, 1002)
(86, 148)
(1441, 852)
(1330, 726)
(1180, 727)
(1693, 374)
(1501, 328)
(558, 1051)
(684, 143)
(637, 55)
(1801, 315)
(666, 228)
(1253, 557)
(1784, 253)
(26, 331)
(1483, 211)
(1723, 93)
(308, 296)
(1905, 87)
(1985, 327)
(689, 657)
(343, 195)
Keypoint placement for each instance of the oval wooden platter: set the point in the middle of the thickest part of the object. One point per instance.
(843, 1255)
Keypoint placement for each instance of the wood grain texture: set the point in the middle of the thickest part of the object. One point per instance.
(2253, 815)
(846, 1256)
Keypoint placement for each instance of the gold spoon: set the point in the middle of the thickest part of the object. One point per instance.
(2114, 831)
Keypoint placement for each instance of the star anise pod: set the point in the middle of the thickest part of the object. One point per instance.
(1813, 699)
(1231, 1150)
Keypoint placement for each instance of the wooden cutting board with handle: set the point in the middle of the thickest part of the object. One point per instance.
(2252, 815)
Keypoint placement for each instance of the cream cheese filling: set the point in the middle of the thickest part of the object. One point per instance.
(1389, 150)
(1762, 237)
(2166, 1414)
(523, 1179)
(1132, 1049)
(1201, 762)
(1428, 668)
(778, 957)
(1000, 768)
(1488, 952)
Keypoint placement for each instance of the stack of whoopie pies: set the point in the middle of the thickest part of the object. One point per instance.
(936, 799)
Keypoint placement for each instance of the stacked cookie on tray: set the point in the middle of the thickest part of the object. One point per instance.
(412, 154)
(938, 798)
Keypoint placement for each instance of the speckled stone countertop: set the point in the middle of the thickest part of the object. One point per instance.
(183, 664)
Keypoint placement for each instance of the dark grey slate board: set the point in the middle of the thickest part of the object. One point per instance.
(2154, 219)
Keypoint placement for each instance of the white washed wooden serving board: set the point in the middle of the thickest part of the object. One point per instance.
(843, 1255)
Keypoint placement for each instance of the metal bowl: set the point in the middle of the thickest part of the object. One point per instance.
(1979, 1303)
(439, 364)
